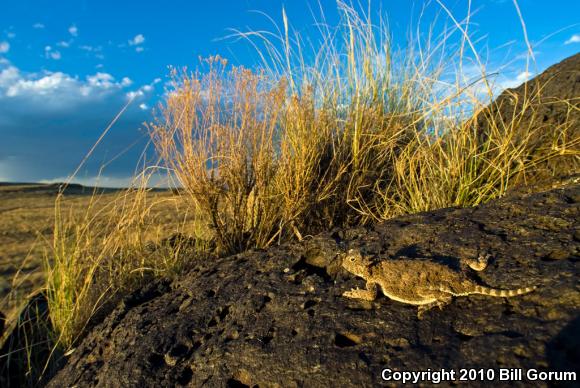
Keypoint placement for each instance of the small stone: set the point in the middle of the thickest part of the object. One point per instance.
(501, 359)
(170, 360)
(234, 335)
(558, 254)
(575, 198)
(522, 352)
(397, 342)
(316, 258)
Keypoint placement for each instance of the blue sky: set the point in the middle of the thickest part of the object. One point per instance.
(67, 67)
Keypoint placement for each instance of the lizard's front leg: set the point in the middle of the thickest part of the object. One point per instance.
(369, 294)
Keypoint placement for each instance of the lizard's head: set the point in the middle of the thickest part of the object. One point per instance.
(355, 263)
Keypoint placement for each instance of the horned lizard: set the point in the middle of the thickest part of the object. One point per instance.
(419, 282)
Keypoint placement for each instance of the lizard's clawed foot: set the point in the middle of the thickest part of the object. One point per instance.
(357, 293)
(352, 293)
(422, 309)
(480, 263)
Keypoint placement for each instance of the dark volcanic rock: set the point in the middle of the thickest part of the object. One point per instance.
(277, 317)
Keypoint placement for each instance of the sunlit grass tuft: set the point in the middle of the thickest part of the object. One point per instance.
(360, 132)
(110, 248)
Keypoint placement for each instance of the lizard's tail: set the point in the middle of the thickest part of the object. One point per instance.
(503, 293)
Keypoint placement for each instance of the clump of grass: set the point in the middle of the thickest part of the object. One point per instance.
(471, 161)
(364, 132)
(108, 249)
(98, 253)
(27, 345)
(227, 165)
(269, 156)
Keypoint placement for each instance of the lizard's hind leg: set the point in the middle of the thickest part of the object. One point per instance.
(443, 299)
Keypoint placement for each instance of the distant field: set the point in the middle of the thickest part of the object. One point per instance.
(26, 225)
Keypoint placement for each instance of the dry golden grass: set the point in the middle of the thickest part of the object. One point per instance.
(226, 166)
(28, 223)
(364, 133)
(82, 251)
(25, 214)
(114, 245)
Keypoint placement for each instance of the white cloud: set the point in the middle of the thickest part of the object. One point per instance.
(134, 94)
(573, 39)
(489, 82)
(508, 82)
(53, 54)
(126, 81)
(139, 49)
(58, 86)
(64, 44)
(142, 91)
(38, 26)
(523, 76)
(137, 40)
(149, 87)
(528, 55)
(50, 119)
(8, 76)
(91, 48)
(4, 47)
(155, 180)
(97, 51)
(41, 86)
(143, 106)
(97, 181)
(73, 30)
(102, 80)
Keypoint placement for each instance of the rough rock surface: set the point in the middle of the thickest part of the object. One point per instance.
(277, 317)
